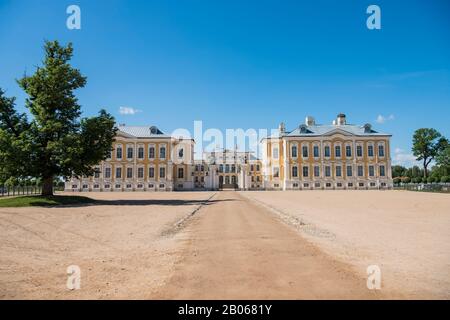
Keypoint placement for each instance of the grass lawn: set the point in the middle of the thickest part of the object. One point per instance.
(42, 201)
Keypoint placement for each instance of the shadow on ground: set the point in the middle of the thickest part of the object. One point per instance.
(140, 202)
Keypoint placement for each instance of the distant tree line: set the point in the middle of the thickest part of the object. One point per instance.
(428, 146)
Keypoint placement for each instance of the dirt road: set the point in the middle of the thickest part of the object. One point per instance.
(235, 249)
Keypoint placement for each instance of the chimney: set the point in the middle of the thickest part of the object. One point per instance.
(309, 121)
(340, 121)
(282, 128)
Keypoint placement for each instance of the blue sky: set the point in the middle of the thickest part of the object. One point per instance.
(242, 64)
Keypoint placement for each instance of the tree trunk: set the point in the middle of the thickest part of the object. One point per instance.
(47, 186)
(425, 168)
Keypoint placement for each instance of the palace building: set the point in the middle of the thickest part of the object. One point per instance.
(312, 156)
(335, 156)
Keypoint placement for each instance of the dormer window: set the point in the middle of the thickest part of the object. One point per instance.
(367, 128)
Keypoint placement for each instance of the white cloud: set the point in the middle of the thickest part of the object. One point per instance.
(128, 111)
(402, 158)
(382, 119)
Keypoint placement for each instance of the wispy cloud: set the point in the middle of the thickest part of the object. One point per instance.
(403, 158)
(128, 111)
(391, 80)
(382, 119)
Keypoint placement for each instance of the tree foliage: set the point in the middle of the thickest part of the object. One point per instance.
(427, 143)
(55, 142)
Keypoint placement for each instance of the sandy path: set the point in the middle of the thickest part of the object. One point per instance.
(124, 247)
(407, 234)
(235, 249)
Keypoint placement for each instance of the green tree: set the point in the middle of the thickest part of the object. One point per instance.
(398, 171)
(427, 143)
(443, 157)
(55, 142)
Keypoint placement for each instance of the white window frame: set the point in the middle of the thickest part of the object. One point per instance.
(152, 145)
(132, 148)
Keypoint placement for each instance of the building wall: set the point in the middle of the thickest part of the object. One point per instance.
(287, 160)
(275, 172)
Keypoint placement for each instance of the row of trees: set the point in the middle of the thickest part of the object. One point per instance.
(55, 142)
(428, 146)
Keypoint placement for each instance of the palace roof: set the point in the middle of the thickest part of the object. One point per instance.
(142, 131)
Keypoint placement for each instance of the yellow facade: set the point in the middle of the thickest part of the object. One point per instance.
(288, 154)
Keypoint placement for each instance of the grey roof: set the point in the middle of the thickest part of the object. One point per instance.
(142, 131)
(320, 130)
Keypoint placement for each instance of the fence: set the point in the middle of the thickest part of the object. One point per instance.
(6, 191)
(430, 187)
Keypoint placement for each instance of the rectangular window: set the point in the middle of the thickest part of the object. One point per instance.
(316, 151)
(107, 173)
(348, 151)
(338, 171)
(275, 153)
(151, 152)
(180, 173)
(349, 171)
(380, 150)
(327, 151)
(97, 173)
(382, 171)
(360, 171)
(327, 171)
(233, 168)
(359, 151)
(294, 172)
(305, 171)
(294, 152)
(140, 173)
(118, 173)
(257, 167)
(151, 172)
(141, 153)
(371, 171)
(370, 151)
(337, 151)
(162, 152)
(119, 153)
(305, 151)
(316, 171)
(130, 153)
(276, 172)
(252, 167)
(129, 173)
(162, 172)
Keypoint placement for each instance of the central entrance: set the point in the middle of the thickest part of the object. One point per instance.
(227, 182)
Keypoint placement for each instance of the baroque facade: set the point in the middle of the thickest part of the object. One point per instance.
(312, 156)
(335, 156)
